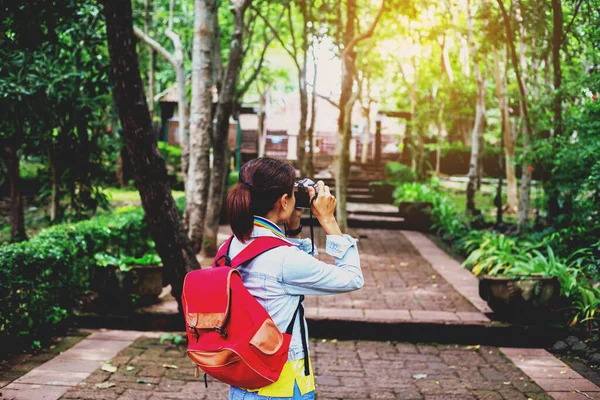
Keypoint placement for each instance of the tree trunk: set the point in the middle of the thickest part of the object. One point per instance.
(55, 187)
(364, 154)
(557, 34)
(151, 56)
(262, 117)
(220, 145)
(310, 170)
(507, 139)
(342, 165)
(441, 135)
(301, 148)
(525, 191)
(149, 171)
(347, 99)
(479, 116)
(17, 220)
(201, 123)
(413, 137)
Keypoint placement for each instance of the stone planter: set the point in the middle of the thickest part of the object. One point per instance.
(382, 193)
(145, 282)
(417, 215)
(521, 300)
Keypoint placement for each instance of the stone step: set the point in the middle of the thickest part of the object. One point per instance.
(339, 324)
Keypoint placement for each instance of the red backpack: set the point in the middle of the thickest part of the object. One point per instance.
(231, 337)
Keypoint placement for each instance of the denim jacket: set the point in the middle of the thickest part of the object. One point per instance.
(278, 277)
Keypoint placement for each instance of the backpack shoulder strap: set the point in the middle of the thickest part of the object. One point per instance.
(257, 247)
(222, 257)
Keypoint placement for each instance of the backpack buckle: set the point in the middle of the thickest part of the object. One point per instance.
(226, 263)
(194, 332)
(221, 331)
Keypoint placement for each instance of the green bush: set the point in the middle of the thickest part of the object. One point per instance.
(41, 279)
(396, 172)
(171, 154)
(30, 171)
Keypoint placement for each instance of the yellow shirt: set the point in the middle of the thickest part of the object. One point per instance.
(293, 372)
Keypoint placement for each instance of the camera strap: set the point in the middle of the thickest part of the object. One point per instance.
(312, 234)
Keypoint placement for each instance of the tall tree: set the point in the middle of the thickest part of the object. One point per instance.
(505, 129)
(151, 55)
(177, 61)
(478, 128)
(526, 127)
(220, 144)
(201, 119)
(10, 157)
(149, 171)
(297, 45)
(347, 98)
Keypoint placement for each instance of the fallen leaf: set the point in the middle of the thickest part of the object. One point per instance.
(506, 383)
(130, 368)
(170, 366)
(563, 372)
(109, 368)
(420, 376)
(473, 347)
(437, 382)
(333, 340)
(435, 285)
(141, 381)
(404, 264)
(433, 276)
(104, 385)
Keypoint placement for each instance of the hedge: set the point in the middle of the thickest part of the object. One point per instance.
(42, 278)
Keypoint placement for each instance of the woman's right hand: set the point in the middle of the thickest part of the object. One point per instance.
(323, 208)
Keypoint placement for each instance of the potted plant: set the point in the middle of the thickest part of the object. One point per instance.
(117, 278)
(415, 205)
(519, 282)
(382, 191)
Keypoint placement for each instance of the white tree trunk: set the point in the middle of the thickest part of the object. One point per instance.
(509, 145)
(479, 116)
(200, 121)
(525, 189)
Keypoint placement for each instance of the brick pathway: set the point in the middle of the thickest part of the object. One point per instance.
(53, 378)
(148, 370)
(401, 284)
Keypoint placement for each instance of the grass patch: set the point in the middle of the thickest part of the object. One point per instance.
(122, 195)
(484, 198)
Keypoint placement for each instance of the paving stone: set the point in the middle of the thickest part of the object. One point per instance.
(19, 391)
(344, 370)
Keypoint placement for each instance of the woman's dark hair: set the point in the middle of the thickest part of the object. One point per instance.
(261, 182)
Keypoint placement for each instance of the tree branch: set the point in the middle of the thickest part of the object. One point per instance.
(287, 50)
(177, 44)
(155, 46)
(333, 103)
(568, 29)
(249, 34)
(290, 22)
(367, 34)
(252, 77)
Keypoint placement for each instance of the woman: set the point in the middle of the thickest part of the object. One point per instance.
(262, 199)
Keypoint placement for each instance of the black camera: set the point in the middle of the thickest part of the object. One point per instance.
(301, 192)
